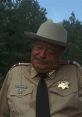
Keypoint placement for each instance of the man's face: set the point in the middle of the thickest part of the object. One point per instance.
(45, 56)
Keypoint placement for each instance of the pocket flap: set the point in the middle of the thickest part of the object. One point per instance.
(63, 92)
(20, 91)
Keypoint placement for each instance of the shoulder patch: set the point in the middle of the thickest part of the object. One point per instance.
(20, 64)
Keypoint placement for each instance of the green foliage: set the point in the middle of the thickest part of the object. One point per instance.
(74, 30)
(17, 16)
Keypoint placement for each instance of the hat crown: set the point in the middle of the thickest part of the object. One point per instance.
(54, 32)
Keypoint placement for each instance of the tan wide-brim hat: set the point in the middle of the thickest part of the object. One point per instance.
(50, 32)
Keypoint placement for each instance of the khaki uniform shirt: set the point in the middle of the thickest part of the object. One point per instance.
(18, 94)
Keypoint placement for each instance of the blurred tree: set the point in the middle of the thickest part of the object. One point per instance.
(74, 29)
(17, 16)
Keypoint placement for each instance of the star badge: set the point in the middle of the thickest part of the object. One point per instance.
(63, 84)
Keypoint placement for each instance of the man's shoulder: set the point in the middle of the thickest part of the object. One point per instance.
(77, 64)
(72, 64)
(20, 65)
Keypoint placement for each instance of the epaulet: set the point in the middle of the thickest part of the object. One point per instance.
(74, 63)
(70, 62)
(20, 64)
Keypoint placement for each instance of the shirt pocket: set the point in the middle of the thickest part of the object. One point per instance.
(63, 98)
(72, 89)
(19, 101)
(19, 92)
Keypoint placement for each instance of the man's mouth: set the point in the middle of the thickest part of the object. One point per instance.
(42, 61)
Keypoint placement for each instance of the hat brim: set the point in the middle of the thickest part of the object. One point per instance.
(34, 36)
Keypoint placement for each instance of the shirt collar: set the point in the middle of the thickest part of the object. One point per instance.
(34, 73)
(51, 74)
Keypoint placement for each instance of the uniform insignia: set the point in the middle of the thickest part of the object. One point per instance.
(63, 84)
(20, 88)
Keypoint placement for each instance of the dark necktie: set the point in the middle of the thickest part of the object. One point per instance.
(42, 101)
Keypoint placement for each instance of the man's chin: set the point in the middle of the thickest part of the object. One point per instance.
(41, 69)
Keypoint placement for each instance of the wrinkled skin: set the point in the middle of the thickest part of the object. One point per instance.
(45, 56)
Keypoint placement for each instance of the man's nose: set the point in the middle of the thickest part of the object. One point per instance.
(42, 53)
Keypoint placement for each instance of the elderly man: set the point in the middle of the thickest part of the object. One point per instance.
(45, 87)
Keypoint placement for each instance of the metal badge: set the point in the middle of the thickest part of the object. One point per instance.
(63, 84)
(20, 88)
